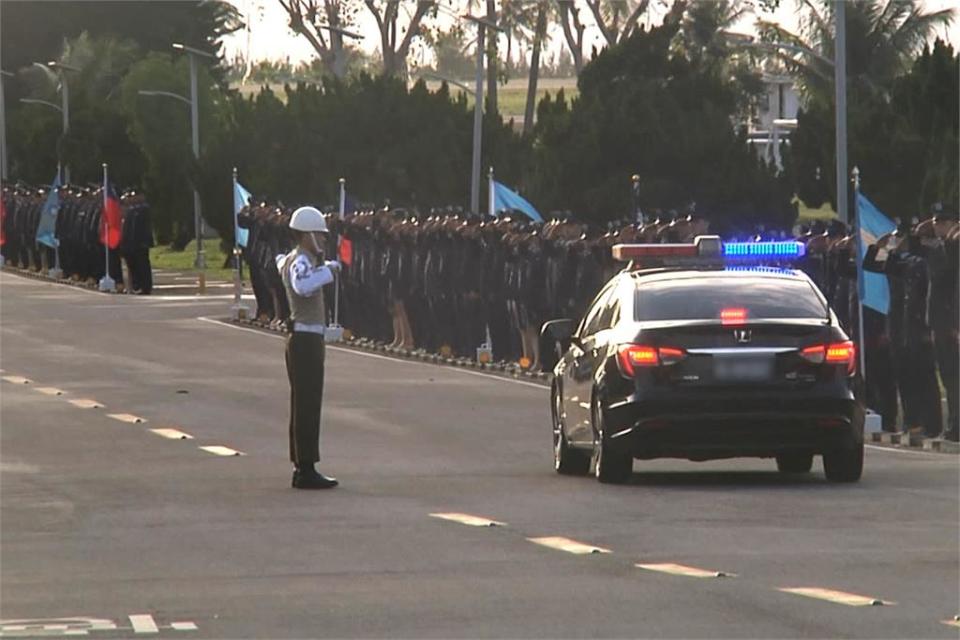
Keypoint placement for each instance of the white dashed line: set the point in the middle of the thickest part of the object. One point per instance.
(469, 520)
(49, 391)
(218, 450)
(568, 545)
(683, 570)
(837, 597)
(17, 379)
(172, 434)
(183, 626)
(127, 417)
(143, 623)
(85, 403)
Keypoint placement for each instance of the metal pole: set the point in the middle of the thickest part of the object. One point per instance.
(65, 94)
(106, 282)
(201, 262)
(840, 86)
(477, 124)
(3, 130)
(240, 311)
(858, 238)
(491, 205)
(343, 198)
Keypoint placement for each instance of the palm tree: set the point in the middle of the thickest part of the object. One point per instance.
(883, 36)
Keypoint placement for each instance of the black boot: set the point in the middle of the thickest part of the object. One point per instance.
(308, 478)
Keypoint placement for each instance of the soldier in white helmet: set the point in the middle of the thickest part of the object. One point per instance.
(304, 273)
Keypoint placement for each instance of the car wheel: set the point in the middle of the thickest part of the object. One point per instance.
(566, 460)
(843, 465)
(609, 466)
(795, 462)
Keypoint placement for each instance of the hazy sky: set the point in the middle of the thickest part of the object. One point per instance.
(268, 36)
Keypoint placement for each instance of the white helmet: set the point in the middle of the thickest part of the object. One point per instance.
(308, 219)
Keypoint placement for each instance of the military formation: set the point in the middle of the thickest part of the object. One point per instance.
(80, 254)
(449, 283)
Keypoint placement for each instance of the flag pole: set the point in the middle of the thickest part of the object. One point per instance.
(860, 278)
(239, 310)
(491, 206)
(334, 333)
(106, 282)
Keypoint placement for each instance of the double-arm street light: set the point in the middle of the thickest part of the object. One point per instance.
(200, 262)
(64, 109)
(482, 25)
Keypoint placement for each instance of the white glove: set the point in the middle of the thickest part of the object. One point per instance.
(332, 265)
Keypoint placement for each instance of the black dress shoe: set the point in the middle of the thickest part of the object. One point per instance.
(312, 480)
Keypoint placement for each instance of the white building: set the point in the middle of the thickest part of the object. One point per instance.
(774, 118)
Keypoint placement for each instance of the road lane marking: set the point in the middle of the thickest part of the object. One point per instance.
(85, 403)
(143, 623)
(568, 545)
(183, 626)
(17, 379)
(469, 520)
(837, 597)
(172, 434)
(584, 405)
(126, 417)
(218, 450)
(357, 352)
(49, 391)
(683, 570)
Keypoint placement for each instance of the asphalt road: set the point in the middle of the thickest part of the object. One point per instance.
(110, 529)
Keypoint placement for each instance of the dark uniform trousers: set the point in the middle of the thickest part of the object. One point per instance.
(305, 355)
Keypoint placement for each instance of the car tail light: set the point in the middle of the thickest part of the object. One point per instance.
(844, 353)
(733, 316)
(632, 356)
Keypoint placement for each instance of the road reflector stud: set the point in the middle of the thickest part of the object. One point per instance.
(683, 570)
(568, 545)
(218, 450)
(85, 403)
(838, 597)
(126, 417)
(469, 520)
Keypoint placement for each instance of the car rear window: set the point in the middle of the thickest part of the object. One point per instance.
(704, 299)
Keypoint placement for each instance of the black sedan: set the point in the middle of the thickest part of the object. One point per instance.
(704, 364)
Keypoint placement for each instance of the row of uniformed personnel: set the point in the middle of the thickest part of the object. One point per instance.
(81, 253)
(442, 281)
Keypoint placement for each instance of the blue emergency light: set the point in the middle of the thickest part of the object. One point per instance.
(763, 250)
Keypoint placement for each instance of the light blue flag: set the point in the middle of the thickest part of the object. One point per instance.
(873, 225)
(241, 197)
(47, 227)
(506, 199)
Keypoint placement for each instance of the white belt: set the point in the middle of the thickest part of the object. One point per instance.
(309, 328)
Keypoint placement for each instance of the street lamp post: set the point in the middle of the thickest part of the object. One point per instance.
(840, 88)
(482, 25)
(64, 109)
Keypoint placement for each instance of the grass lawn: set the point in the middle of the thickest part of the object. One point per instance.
(163, 257)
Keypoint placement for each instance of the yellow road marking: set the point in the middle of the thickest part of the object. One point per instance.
(683, 570)
(84, 403)
(17, 379)
(217, 450)
(838, 597)
(568, 545)
(172, 434)
(469, 520)
(49, 391)
(126, 417)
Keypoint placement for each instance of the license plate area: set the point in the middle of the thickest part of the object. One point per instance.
(742, 367)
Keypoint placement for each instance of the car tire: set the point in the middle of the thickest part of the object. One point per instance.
(566, 460)
(795, 462)
(609, 466)
(843, 465)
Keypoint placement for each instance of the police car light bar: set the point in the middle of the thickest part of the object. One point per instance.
(760, 250)
(701, 247)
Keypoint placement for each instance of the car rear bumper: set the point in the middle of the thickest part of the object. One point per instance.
(756, 426)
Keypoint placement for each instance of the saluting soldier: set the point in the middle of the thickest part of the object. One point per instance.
(304, 273)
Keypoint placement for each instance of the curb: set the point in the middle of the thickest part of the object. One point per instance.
(913, 441)
(497, 369)
(37, 275)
